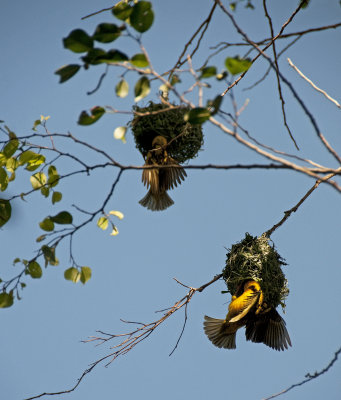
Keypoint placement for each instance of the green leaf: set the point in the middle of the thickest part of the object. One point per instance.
(12, 164)
(5, 211)
(85, 274)
(142, 88)
(120, 133)
(16, 260)
(40, 238)
(72, 274)
(78, 41)
(65, 73)
(197, 115)
(32, 159)
(237, 65)
(47, 225)
(113, 56)
(37, 122)
(117, 214)
(305, 3)
(215, 104)
(34, 269)
(208, 72)
(93, 56)
(10, 148)
(45, 191)
(38, 180)
(122, 10)
(139, 60)
(3, 179)
(49, 255)
(53, 176)
(56, 197)
(221, 75)
(86, 119)
(106, 33)
(175, 79)
(6, 300)
(62, 218)
(142, 17)
(103, 223)
(3, 159)
(122, 88)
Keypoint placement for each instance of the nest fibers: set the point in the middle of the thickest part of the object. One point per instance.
(254, 258)
(169, 124)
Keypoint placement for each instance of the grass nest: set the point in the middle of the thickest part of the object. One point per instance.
(171, 125)
(254, 258)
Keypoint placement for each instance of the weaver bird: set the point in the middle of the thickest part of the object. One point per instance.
(263, 324)
(160, 180)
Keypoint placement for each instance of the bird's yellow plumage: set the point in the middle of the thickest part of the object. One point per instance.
(247, 308)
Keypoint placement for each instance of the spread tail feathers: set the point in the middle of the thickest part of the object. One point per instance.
(156, 202)
(214, 329)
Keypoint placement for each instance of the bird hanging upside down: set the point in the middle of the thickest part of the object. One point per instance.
(262, 324)
(160, 180)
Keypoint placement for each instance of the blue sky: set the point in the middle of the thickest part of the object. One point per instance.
(133, 272)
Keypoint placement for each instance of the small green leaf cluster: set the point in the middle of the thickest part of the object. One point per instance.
(16, 154)
(233, 4)
(62, 218)
(138, 15)
(75, 275)
(104, 221)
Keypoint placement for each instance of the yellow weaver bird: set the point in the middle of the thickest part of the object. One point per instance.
(263, 324)
(160, 180)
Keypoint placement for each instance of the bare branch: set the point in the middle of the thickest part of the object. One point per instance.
(313, 85)
(294, 209)
(277, 74)
(131, 339)
(308, 376)
(204, 25)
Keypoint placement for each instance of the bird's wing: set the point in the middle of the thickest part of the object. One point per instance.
(268, 328)
(150, 177)
(171, 177)
(242, 305)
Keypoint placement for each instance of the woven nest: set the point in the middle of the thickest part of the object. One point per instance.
(254, 258)
(169, 124)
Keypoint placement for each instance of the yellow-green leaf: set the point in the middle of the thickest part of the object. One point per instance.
(56, 197)
(5, 211)
(142, 88)
(72, 274)
(237, 65)
(85, 274)
(117, 214)
(122, 88)
(139, 60)
(38, 180)
(103, 223)
(47, 225)
(34, 269)
(120, 133)
(6, 300)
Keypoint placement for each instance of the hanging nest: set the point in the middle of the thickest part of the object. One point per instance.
(254, 258)
(170, 124)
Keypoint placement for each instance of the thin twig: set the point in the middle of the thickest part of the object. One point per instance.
(204, 25)
(277, 75)
(313, 85)
(131, 339)
(308, 376)
(294, 209)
